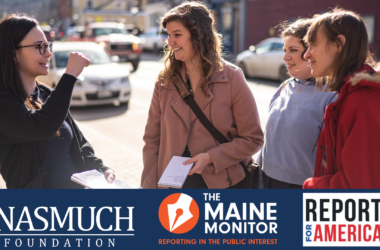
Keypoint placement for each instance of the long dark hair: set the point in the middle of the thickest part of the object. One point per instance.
(355, 52)
(13, 29)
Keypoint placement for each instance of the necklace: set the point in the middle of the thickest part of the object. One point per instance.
(188, 84)
(301, 84)
(300, 87)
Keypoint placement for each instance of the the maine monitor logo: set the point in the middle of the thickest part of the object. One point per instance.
(341, 219)
(178, 213)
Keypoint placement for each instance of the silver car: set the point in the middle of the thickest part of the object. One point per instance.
(264, 60)
(103, 82)
(154, 39)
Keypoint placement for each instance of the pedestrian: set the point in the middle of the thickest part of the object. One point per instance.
(194, 63)
(348, 148)
(295, 117)
(40, 144)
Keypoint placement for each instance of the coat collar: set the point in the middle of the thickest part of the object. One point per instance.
(367, 73)
(202, 97)
(364, 77)
(217, 76)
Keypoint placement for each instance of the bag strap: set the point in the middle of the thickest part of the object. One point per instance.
(189, 100)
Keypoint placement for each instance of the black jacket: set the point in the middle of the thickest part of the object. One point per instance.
(24, 134)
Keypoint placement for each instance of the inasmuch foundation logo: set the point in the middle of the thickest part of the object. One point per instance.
(178, 213)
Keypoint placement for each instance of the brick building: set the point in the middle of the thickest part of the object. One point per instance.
(264, 15)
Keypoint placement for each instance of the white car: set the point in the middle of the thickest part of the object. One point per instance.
(264, 60)
(153, 39)
(103, 82)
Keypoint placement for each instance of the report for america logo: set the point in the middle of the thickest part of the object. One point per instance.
(341, 219)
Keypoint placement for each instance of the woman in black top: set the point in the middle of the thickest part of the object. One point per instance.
(40, 144)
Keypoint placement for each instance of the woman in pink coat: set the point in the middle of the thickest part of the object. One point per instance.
(220, 90)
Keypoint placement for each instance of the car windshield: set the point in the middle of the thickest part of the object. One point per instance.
(96, 57)
(107, 31)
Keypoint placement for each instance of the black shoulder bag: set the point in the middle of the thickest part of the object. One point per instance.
(252, 170)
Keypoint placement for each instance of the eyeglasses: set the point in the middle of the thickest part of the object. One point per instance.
(41, 46)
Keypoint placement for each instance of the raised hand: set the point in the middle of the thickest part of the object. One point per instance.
(77, 62)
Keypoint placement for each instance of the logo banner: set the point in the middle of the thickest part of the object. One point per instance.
(193, 219)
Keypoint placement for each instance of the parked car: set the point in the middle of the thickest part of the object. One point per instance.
(153, 39)
(75, 33)
(116, 40)
(133, 29)
(264, 60)
(103, 82)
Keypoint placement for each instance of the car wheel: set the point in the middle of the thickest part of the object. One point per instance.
(244, 69)
(283, 73)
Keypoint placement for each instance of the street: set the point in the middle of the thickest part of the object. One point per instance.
(116, 131)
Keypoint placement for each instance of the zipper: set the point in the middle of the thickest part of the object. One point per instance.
(188, 132)
(229, 178)
(209, 114)
(322, 168)
(333, 148)
(217, 144)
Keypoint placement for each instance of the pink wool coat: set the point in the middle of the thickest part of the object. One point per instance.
(228, 103)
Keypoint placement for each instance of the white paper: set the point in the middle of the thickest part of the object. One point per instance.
(93, 179)
(175, 173)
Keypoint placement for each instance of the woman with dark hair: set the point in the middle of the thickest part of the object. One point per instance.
(40, 144)
(295, 117)
(348, 148)
(193, 64)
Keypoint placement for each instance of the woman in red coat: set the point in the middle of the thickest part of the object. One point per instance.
(349, 145)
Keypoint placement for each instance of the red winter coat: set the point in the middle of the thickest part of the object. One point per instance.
(351, 136)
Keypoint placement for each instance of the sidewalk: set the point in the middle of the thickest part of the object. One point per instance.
(127, 163)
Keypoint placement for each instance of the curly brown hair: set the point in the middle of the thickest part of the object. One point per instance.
(297, 29)
(207, 43)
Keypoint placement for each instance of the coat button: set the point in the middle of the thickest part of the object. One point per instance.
(321, 147)
(229, 178)
(334, 121)
(208, 96)
(175, 103)
(223, 78)
(334, 108)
